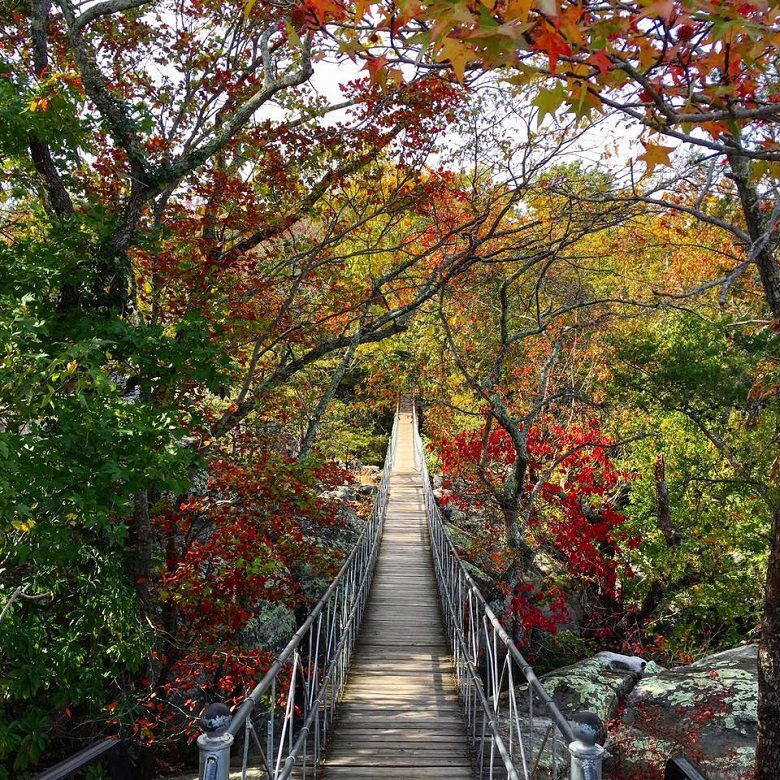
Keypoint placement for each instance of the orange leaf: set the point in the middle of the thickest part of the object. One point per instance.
(660, 9)
(375, 67)
(360, 9)
(601, 61)
(550, 42)
(518, 9)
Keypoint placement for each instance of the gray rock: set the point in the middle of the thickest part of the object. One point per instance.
(340, 493)
(456, 516)
(538, 742)
(271, 627)
(598, 684)
(351, 519)
(706, 711)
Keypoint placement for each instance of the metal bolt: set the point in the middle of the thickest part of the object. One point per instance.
(586, 754)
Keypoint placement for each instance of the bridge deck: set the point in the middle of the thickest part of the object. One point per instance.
(400, 715)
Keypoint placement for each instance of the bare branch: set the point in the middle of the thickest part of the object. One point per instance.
(106, 8)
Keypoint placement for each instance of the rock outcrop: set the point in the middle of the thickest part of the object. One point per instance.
(598, 684)
(706, 711)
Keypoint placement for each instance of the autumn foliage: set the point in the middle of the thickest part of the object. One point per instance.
(231, 233)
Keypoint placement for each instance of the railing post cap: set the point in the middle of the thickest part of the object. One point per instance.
(587, 727)
(216, 718)
(586, 754)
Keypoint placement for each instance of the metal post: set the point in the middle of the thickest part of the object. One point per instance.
(586, 754)
(214, 743)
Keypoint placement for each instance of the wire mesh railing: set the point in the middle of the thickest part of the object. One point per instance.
(516, 729)
(284, 723)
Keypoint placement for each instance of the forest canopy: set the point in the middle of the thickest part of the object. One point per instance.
(235, 232)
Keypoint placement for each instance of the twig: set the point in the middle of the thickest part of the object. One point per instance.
(21, 593)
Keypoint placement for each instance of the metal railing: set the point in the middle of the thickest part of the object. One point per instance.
(110, 752)
(516, 729)
(681, 768)
(287, 718)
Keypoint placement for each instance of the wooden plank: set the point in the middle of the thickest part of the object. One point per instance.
(400, 715)
(424, 721)
(426, 751)
(408, 773)
(397, 760)
(416, 759)
(407, 736)
(412, 731)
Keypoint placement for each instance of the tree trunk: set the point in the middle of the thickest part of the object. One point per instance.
(58, 201)
(316, 419)
(768, 747)
(512, 525)
(522, 552)
(662, 511)
(512, 493)
(141, 547)
(768, 744)
(762, 250)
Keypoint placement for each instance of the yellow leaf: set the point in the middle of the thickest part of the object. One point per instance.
(250, 4)
(647, 54)
(764, 168)
(549, 101)
(655, 154)
(360, 9)
(448, 19)
(292, 35)
(518, 9)
(24, 525)
(457, 53)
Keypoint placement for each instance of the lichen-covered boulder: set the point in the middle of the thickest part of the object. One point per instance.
(365, 490)
(598, 684)
(272, 625)
(706, 711)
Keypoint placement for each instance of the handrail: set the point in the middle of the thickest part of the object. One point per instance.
(109, 749)
(681, 768)
(295, 701)
(485, 661)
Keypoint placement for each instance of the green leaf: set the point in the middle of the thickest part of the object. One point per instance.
(548, 101)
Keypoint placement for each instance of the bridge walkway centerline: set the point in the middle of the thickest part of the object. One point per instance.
(400, 715)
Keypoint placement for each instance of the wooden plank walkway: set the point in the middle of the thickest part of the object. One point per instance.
(400, 715)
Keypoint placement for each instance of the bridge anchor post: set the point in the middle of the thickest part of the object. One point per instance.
(214, 743)
(586, 754)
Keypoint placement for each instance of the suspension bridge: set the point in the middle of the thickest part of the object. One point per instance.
(402, 669)
(399, 714)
